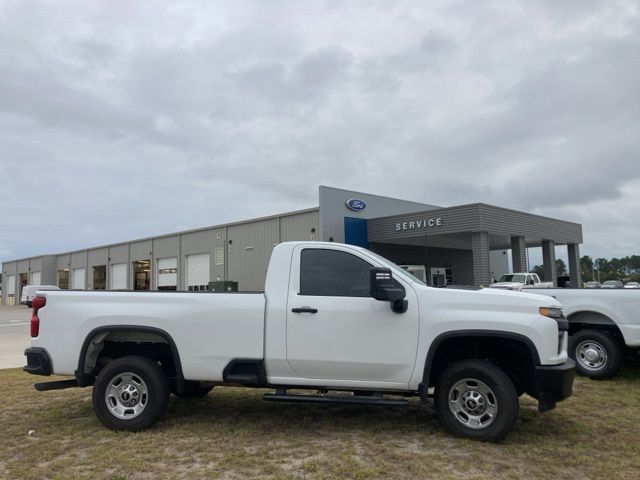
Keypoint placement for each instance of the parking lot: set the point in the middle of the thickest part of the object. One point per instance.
(14, 335)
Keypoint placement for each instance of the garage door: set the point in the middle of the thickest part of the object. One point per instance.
(77, 279)
(119, 276)
(36, 278)
(197, 272)
(11, 285)
(167, 273)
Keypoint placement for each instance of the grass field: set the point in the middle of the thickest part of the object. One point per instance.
(232, 434)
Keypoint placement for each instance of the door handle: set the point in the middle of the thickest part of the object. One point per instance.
(304, 310)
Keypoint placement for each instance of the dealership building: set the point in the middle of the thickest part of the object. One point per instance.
(459, 245)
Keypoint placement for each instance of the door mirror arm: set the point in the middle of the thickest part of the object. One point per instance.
(383, 289)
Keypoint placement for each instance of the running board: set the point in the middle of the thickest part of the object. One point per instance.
(283, 396)
(59, 385)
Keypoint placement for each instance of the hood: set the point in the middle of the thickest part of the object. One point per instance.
(543, 300)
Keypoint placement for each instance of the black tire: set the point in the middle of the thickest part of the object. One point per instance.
(130, 378)
(500, 397)
(193, 390)
(598, 355)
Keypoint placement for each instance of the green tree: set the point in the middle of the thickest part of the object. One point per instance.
(586, 268)
(538, 270)
(561, 268)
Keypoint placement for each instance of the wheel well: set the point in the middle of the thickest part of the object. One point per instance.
(593, 321)
(513, 356)
(105, 345)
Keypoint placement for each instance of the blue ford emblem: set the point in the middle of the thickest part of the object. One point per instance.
(355, 205)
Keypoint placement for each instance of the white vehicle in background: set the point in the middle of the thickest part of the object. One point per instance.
(29, 293)
(334, 318)
(519, 281)
(604, 327)
(632, 285)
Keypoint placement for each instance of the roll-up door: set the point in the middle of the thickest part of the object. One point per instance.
(198, 272)
(119, 276)
(167, 273)
(11, 285)
(36, 278)
(78, 279)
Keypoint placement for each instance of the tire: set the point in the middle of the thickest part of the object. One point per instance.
(130, 393)
(193, 390)
(475, 399)
(597, 354)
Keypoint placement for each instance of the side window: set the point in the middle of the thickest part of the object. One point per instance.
(333, 273)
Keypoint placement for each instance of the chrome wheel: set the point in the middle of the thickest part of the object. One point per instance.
(473, 403)
(591, 355)
(126, 396)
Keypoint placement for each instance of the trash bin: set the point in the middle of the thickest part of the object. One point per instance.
(226, 286)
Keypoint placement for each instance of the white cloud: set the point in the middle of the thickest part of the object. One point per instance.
(123, 121)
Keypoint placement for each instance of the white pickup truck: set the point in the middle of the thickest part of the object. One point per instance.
(604, 327)
(333, 317)
(518, 281)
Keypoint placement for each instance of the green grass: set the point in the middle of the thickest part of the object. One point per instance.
(233, 434)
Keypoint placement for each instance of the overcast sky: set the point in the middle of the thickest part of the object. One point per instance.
(120, 120)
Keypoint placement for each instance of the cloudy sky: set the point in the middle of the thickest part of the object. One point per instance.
(120, 120)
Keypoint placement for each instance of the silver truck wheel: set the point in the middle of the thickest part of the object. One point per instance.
(590, 355)
(127, 395)
(473, 403)
(130, 393)
(597, 353)
(476, 399)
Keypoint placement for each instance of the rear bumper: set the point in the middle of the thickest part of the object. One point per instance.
(38, 361)
(554, 383)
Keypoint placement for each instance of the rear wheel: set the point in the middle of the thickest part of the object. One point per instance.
(476, 399)
(130, 393)
(597, 354)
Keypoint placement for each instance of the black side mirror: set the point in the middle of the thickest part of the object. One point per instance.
(383, 289)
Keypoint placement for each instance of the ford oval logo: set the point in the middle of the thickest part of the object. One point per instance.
(355, 205)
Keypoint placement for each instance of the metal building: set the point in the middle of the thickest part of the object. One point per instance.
(464, 245)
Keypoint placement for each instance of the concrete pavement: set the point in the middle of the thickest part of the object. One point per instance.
(14, 335)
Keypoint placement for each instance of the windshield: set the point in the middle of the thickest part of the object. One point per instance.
(397, 269)
(512, 278)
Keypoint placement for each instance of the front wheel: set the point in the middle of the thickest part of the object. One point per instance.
(597, 354)
(476, 399)
(130, 393)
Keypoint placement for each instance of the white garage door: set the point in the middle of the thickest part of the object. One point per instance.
(36, 278)
(119, 276)
(167, 273)
(11, 285)
(198, 272)
(77, 279)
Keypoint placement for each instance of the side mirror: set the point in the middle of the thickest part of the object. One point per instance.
(383, 289)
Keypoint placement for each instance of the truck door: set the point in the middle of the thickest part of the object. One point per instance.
(336, 331)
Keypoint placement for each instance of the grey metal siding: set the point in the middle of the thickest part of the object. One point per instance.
(63, 262)
(249, 252)
(481, 259)
(49, 270)
(119, 254)
(8, 268)
(35, 265)
(140, 250)
(303, 226)
(478, 217)
(98, 257)
(79, 260)
(504, 220)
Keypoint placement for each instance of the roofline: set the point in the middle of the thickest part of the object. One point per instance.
(379, 196)
(480, 204)
(165, 235)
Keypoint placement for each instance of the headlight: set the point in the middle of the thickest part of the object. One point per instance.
(552, 312)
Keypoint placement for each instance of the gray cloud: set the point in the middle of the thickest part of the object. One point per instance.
(119, 122)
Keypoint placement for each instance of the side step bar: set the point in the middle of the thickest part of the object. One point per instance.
(281, 395)
(59, 385)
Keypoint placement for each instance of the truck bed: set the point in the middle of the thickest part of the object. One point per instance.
(213, 328)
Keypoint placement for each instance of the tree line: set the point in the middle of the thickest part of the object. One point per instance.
(626, 269)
